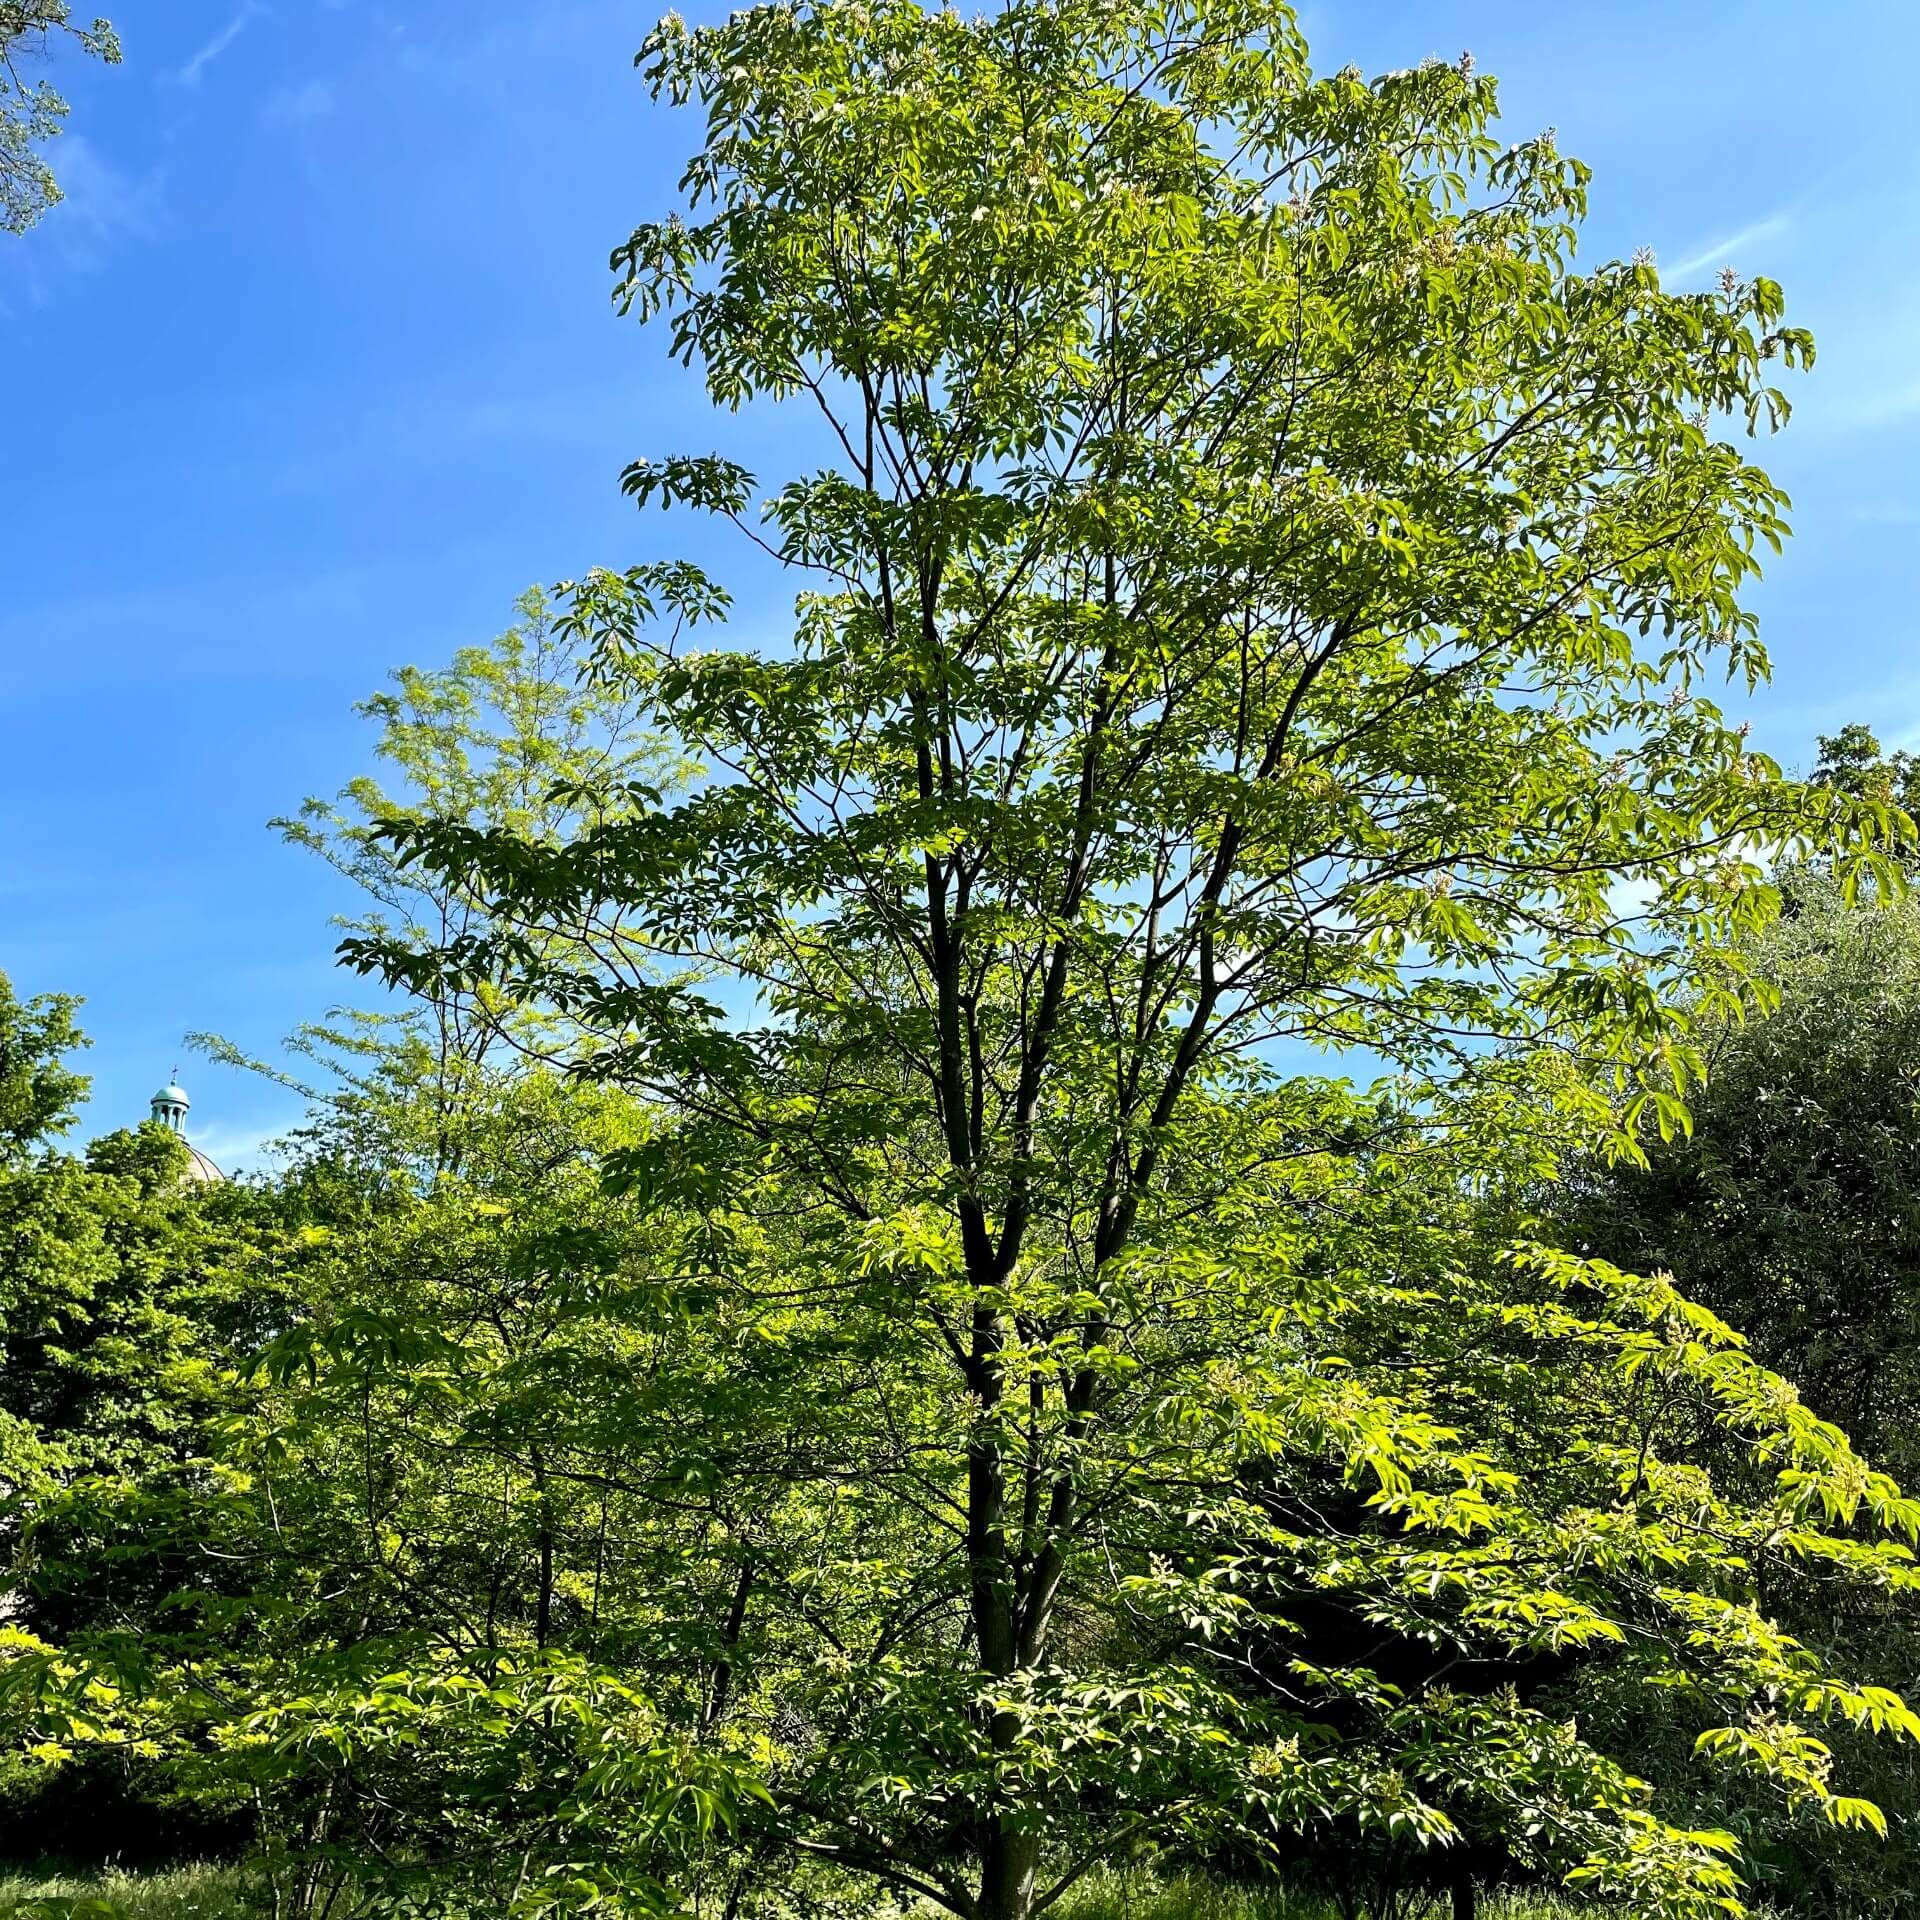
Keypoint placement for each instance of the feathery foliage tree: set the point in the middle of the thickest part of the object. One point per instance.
(497, 738)
(1792, 1208)
(1257, 592)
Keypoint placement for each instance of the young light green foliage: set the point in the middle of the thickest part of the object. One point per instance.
(508, 736)
(992, 1421)
(384, 1589)
(1259, 593)
(1791, 1209)
(31, 112)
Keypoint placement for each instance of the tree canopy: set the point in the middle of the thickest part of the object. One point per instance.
(31, 111)
(1258, 593)
(38, 1090)
(1789, 1207)
(850, 1349)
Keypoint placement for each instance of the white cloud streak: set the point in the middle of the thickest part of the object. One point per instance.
(197, 64)
(1720, 253)
(104, 208)
(297, 107)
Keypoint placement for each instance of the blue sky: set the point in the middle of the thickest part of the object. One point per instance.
(315, 370)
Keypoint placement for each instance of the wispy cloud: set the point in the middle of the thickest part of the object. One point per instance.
(189, 74)
(103, 208)
(299, 107)
(196, 634)
(1866, 399)
(243, 1149)
(1721, 252)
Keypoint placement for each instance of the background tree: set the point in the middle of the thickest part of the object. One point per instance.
(1793, 1209)
(1851, 761)
(447, 1677)
(358, 1614)
(1257, 593)
(509, 735)
(123, 1290)
(38, 1091)
(315, 1499)
(1793, 1205)
(31, 112)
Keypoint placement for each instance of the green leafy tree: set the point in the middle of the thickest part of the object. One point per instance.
(1853, 763)
(458, 1708)
(1258, 593)
(511, 735)
(31, 112)
(83, 1246)
(364, 1620)
(38, 1091)
(1792, 1208)
(123, 1289)
(394, 1604)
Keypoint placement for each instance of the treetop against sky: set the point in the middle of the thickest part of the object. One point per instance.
(324, 374)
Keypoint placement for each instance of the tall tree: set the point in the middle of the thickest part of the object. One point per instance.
(1258, 593)
(31, 111)
(357, 1579)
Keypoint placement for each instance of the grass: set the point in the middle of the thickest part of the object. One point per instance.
(230, 1893)
(173, 1893)
(1114, 1898)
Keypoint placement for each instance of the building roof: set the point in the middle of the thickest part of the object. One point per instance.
(199, 1167)
(170, 1106)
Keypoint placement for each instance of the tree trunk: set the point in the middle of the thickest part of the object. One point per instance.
(1008, 1868)
(1464, 1904)
(543, 1543)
